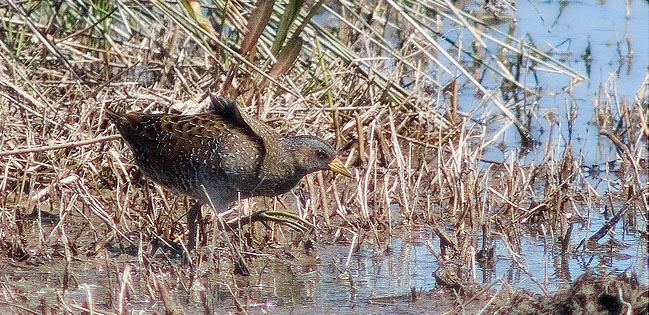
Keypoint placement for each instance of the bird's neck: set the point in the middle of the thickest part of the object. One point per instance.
(286, 161)
(282, 172)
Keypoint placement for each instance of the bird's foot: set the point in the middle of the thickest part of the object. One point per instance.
(289, 219)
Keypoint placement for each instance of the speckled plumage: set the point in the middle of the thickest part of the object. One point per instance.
(224, 150)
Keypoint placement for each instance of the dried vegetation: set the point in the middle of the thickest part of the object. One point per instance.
(373, 79)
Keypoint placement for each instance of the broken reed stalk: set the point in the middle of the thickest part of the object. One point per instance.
(61, 146)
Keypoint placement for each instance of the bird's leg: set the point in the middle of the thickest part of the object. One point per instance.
(193, 217)
(291, 220)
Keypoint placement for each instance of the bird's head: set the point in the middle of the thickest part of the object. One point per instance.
(311, 154)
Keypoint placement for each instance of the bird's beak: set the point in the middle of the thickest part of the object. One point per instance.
(338, 167)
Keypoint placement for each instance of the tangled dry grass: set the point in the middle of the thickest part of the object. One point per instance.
(71, 196)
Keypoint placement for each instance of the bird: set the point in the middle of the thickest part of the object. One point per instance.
(223, 155)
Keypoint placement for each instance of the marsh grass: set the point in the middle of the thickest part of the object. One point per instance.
(73, 198)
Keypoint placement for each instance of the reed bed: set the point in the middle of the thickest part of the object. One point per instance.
(72, 196)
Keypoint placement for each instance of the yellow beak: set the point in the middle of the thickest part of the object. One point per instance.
(338, 167)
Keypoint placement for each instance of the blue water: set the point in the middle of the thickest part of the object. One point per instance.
(568, 31)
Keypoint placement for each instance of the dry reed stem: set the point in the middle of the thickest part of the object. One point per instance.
(41, 149)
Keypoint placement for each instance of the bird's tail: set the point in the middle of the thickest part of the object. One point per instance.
(114, 114)
(119, 119)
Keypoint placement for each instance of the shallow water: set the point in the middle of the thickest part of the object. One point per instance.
(385, 280)
(619, 45)
(382, 281)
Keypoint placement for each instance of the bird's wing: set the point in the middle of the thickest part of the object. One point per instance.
(264, 133)
(210, 132)
(163, 138)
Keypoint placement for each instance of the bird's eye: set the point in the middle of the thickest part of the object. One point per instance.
(321, 154)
